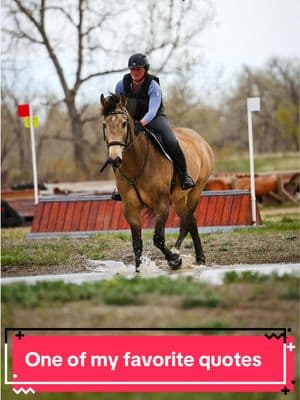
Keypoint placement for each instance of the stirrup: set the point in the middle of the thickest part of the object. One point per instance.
(116, 196)
(187, 182)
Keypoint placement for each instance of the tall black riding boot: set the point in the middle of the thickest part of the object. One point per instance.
(116, 195)
(180, 165)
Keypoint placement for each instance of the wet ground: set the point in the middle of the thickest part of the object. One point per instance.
(102, 270)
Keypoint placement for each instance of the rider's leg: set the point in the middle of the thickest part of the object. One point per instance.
(161, 125)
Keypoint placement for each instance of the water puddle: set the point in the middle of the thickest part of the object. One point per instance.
(108, 269)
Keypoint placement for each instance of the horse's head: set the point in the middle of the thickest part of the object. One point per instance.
(116, 127)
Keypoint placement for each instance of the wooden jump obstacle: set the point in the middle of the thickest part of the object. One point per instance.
(81, 215)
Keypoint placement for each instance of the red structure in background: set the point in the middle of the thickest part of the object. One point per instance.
(93, 213)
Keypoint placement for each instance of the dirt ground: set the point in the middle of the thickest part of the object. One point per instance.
(220, 249)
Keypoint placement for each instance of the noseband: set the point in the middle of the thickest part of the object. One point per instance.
(117, 142)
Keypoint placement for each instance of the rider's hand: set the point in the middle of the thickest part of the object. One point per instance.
(138, 127)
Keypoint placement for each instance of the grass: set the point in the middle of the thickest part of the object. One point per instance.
(284, 225)
(201, 300)
(245, 276)
(23, 252)
(30, 255)
(291, 293)
(263, 163)
(117, 291)
(122, 291)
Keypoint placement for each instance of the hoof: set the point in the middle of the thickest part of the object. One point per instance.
(175, 261)
(200, 260)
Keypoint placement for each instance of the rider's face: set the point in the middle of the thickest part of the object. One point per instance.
(138, 73)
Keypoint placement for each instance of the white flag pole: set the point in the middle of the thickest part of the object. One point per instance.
(33, 154)
(253, 104)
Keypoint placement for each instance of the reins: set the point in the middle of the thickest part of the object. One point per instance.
(132, 181)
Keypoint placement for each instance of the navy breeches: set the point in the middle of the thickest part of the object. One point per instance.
(160, 125)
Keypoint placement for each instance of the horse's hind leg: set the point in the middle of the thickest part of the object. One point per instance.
(188, 224)
(183, 231)
(200, 257)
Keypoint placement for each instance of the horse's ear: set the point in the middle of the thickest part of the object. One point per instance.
(123, 100)
(102, 99)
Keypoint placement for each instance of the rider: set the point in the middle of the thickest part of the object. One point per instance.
(144, 104)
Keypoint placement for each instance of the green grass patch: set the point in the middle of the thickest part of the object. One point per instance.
(122, 291)
(47, 253)
(263, 163)
(226, 246)
(286, 224)
(118, 291)
(201, 300)
(255, 277)
(118, 298)
(245, 276)
(291, 293)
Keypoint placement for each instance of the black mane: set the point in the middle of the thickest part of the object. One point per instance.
(110, 104)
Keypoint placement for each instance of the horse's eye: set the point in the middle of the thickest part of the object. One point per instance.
(124, 124)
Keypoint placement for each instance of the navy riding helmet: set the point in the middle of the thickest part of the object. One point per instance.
(138, 60)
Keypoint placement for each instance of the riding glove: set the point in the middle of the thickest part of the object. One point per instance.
(138, 127)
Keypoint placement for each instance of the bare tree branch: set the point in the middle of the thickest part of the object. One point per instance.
(97, 39)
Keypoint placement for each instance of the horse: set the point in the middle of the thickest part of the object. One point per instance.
(146, 178)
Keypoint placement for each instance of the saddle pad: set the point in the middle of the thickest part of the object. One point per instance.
(156, 139)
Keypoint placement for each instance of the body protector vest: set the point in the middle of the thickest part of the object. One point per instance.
(138, 102)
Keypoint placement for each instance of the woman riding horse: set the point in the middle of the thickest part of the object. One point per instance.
(144, 104)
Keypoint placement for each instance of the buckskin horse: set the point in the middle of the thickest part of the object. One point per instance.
(145, 178)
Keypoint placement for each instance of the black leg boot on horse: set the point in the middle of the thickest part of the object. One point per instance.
(180, 165)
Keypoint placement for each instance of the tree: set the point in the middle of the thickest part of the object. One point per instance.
(287, 75)
(85, 40)
(185, 108)
(276, 126)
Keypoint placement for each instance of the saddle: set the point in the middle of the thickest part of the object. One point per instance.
(156, 139)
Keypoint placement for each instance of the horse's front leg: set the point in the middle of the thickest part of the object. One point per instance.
(174, 259)
(137, 244)
(133, 217)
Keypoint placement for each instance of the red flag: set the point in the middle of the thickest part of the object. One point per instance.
(23, 110)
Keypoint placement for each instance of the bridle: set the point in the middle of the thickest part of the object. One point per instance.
(126, 144)
(117, 142)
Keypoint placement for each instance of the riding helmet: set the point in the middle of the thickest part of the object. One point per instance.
(138, 60)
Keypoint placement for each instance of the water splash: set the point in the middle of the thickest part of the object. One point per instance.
(111, 267)
(149, 268)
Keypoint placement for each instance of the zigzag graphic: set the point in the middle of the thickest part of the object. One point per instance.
(274, 335)
(22, 390)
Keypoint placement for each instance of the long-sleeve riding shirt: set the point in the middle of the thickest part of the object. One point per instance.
(155, 99)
